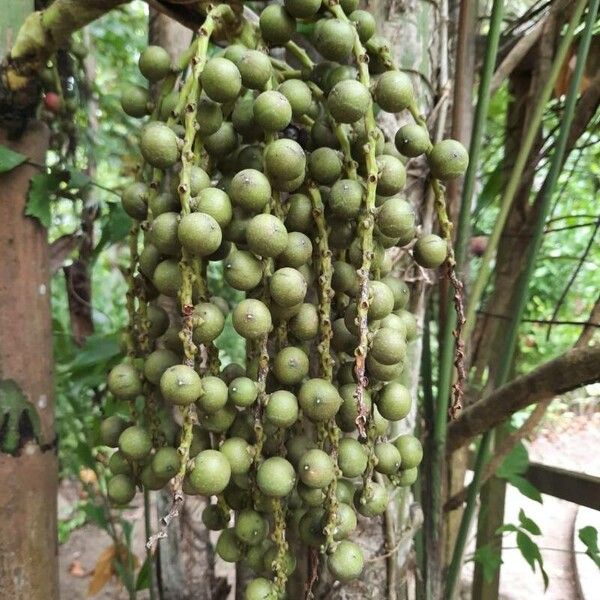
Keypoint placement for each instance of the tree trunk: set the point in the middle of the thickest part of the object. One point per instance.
(28, 546)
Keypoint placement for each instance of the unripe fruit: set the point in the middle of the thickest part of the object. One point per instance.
(381, 300)
(209, 117)
(298, 94)
(250, 190)
(448, 159)
(135, 443)
(396, 218)
(407, 477)
(154, 63)
(349, 6)
(324, 165)
(287, 287)
(124, 382)
(239, 454)
(399, 289)
(199, 234)
(164, 233)
(180, 385)
(282, 409)
(298, 251)
(388, 346)
(166, 462)
(276, 25)
(110, 430)
(167, 277)
(120, 489)
(157, 363)
(310, 527)
(211, 473)
(214, 394)
(163, 203)
(322, 135)
(430, 251)
(412, 140)
(266, 235)
(319, 400)
(374, 502)
(119, 465)
(134, 101)
(214, 518)
(242, 271)
(394, 401)
(243, 391)
(221, 80)
(388, 458)
(272, 111)
(284, 159)
(223, 142)
(220, 420)
(410, 449)
(348, 101)
(394, 91)
(409, 323)
(316, 469)
(391, 175)
(383, 372)
(365, 24)
(216, 203)
(250, 527)
(302, 9)
(344, 279)
(305, 324)
(255, 69)
(275, 477)
(334, 39)
(345, 198)
(252, 319)
(148, 260)
(229, 547)
(299, 216)
(159, 146)
(288, 561)
(352, 457)
(260, 589)
(346, 562)
(210, 325)
(296, 446)
(290, 365)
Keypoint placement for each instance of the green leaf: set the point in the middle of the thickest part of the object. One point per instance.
(43, 186)
(143, 578)
(96, 514)
(489, 559)
(589, 536)
(531, 553)
(9, 159)
(529, 524)
(78, 179)
(115, 228)
(97, 349)
(515, 463)
(509, 527)
(526, 488)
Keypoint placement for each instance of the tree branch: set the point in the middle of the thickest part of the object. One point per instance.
(571, 370)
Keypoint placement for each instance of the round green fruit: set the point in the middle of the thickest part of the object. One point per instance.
(154, 63)
(430, 251)
(276, 477)
(255, 69)
(120, 489)
(164, 233)
(319, 400)
(316, 469)
(394, 91)
(135, 443)
(348, 101)
(250, 190)
(260, 589)
(216, 203)
(388, 458)
(209, 324)
(352, 457)
(394, 401)
(396, 218)
(221, 80)
(298, 251)
(166, 462)
(214, 394)
(388, 346)
(119, 465)
(298, 94)
(407, 477)
(266, 236)
(302, 9)
(324, 166)
(346, 562)
(209, 117)
(282, 409)
(124, 382)
(391, 175)
(365, 24)
(272, 111)
(250, 527)
(180, 385)
(412, 140)
(252, 319)
(110, 430)
(229, 547)
(290, 365)
(284, 159)
(448, 160)
(345, 198)
(159, 145)
(277, 26)
(242, 271)
(305, 323)
(211, 472)
(334, 39)
(214, 517)
(157, 363)
(134, 200)
(287, 287)
(167, 277)
(410, 449)
(243, 391)
(372, 503)
(239, 454)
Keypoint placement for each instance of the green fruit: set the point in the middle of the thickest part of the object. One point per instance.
(410, 324)
(284, 159)
(243, 120)
(209, 117)
(296, 447)
(148, 259)
(319, 400)
(277, 26)
(290, 365)
(250, 157)
(288, 561)
(276, 477)
(345, 198)
(394, 91)
(345, 278)
(166, 462)
(168, 105)
(210, 323)
(242, 271)
(214, 394)
(266, 236)
(407, 477)
(220, 420)
(229, 547)
(250, 527)
(299, 216)
(120, 489)
(341, 73)
(412, 140)
(322, 135)
(154, 63)
(399, 289)
(223, 142)
(272, 111)
(211, 472)
(282, 409)
(352, 457)
(365, 24)
(430, 251)
(345, 491)
(383, 372)
(180, 385)
(410, 449)
(302, 9)
(394, 401)
(239, 454)
(311, 527)
(119, 465)
(287, 287)
(216, 203)
(163, 203)
(135, 443)
(298, 251)
(298, 94)
(448, 159)
(172, 341)
(157, 363)
(243, 391)
(231, 372)
(250, 190)
(214, 517)
(324, 166)
(346, 562)
(163, 233)
(305, 324)
(348, 101)
(396, 218)
(388, 346)
(167, 277)
(135, 101)
(199, 234)
(349, 6)
(124, 382)
(391, 175)
(260, 589)
(334, 39)
(159, 145)
(388, 458)
(381, 300)
(110, 430)
(252, 319)
(255, 69)
(342, 340)
(221, 80)
(372, 503)
(134, 200)
(345, 521)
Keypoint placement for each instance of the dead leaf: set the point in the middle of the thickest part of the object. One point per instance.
(76, 569)
(88, 476)
(103, 571)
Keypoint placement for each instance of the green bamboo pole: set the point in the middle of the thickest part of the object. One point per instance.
(517, 172)
(148, 534)
(521, 294)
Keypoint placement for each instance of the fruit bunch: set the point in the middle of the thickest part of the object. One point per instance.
(276, 171)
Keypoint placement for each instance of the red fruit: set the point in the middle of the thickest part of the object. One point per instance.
(478, 245)
(52, 102)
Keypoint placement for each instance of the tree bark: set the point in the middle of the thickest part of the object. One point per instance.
(28, 546)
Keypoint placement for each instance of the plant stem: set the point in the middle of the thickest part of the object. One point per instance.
(148, 533)
(521, 295)
(515, 176)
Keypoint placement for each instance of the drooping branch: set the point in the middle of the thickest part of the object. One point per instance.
(571, 370)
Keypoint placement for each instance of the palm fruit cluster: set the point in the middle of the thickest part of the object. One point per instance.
(275, 171)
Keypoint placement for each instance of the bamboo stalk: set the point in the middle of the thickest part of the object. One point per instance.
(515, 177)
(521, 294)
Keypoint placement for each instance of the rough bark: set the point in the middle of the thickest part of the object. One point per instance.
(28, 554)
